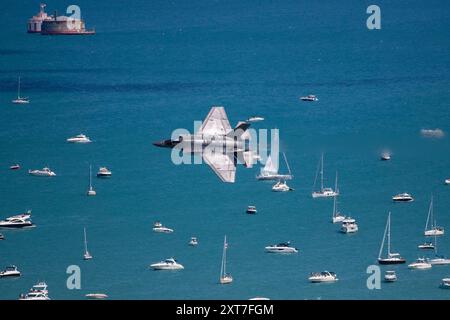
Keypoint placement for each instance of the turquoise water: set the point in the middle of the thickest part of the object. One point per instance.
(155, 66)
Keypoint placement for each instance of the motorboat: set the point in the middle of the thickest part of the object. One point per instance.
(158, 227)
(86, 255)
(281, 186)
(432, 133)
(445, 284)
(45, 172)
(270, 170)
(255, 119)
(420, 264)
(349, 225)
(10, 271)
(251, 210)
(40, 287)
(426, 245)
(26, 215)
(225, 278)
(168, 264)
(16, 223)
(91, 191)
(20, 100)
(283, 247)
(390, 276)
(447, 181)
(431, 229)
(81, 138)
(259, 298)
(37, 292)
(323, 192)
(324, 276)
(337, 216)
(103, 172)
(309, 97)
(385, 156)
(96, 296)
(15, 167)
(403, 197)
(392, 257)
(193, 242)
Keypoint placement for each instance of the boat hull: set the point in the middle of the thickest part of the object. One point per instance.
(391, 261)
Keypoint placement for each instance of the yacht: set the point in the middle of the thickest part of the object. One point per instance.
(324, 276)
(168, 264)
(20, 100)
(15, 167)
(323, 192)
(16, 223)
(281, 186)
(309, 97)
(390, 276)
(445, 283)
(81, 138)
(385, 156)
(37, 292)
(96, 296)
(45, 172)
(392, 258)
(438, 259)
(158, 227)
(270, 170)
(255, 119)
(251, 210)
(10, 271)
(259, 298)
(337, 216)
(284, 247)
(403, 197)
(430, 226)
(103, 172)
(447, 181)
(91, 191)
(349, 225)
(426, 245)
(26, 215)
(86, 255)
(420, 264)
(225, 277)
(193, 242)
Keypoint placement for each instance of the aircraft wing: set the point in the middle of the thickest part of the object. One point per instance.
(222, 164)
(216, 123)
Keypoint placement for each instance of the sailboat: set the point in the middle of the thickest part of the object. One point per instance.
(87, 255)
(435, 230)
(392, 258)
(20, 100)
(440, 260)
(270, 170)
(337, 216)
(323, 192)
(224, 277)
(91, 191)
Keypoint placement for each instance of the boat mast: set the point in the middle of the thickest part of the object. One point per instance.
(389, 235)
(287, 164)
(18, 89)
(224, 257)
(384, 235)
(334, 198)
(90, 177)
(321, 173)
(85, 241)
(430, 214)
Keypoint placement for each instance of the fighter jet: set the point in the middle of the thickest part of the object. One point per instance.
(220, 146)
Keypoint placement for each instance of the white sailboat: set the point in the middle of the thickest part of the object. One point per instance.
(224, 276)
(87, 255)
(20, 100)
(270, 170)
(434, 229)
(392, 258)
(323, 192)
(337, 216)
(438, 259)
(91, 191)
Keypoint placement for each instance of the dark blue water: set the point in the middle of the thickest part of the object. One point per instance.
(155, 66)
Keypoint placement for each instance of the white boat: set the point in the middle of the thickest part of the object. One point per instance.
(445, 284)
(447, 181)
(45, 172)
(432, 133)
(255, 119)
(349, 225)
(284, 247)
(392, 258)
(91, 191)
(337, 216)
(323, 192)
(309, 97)
(14, 167)
(385, 156)
(103, 172)
(324, 276)
(96, 296)
(81, 138)
(193, 242)
(251, 210)
(420, 264)
(270, 170)
(430, 226)
(37, 292)
(158, 227)
(426, 245)
(26, 216)
(259, 298)
(225, 277)
(168, 264)
(86, 255)
(281, 186)
(16, 223)
(403, 197)
(438, 259)
(10, 271)
(390, 276)
(20, 100)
